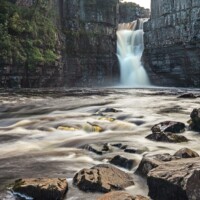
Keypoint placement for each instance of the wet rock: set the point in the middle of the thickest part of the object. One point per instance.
(118, 145)
(121, 195)
(188, 96)
(186, 153)
(99, 149)
(106, 110)
(195, 120)
(123, 162)
(167, 137)
(102, 178)
(129, 149)
(175, 180)
(41, 188)
(150, 162)
(169, 127)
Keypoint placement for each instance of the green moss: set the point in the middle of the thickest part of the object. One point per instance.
(27, 35)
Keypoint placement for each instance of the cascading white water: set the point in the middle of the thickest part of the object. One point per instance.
(130, 46)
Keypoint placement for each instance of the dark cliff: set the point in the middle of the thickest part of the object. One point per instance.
(49, 43)
(90, 31)
(129, 12)
(172, 43)
(30, 44)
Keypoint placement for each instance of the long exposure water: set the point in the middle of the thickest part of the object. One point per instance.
(41, 133)
(130, 47)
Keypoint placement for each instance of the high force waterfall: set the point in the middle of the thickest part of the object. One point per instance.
(130, 46)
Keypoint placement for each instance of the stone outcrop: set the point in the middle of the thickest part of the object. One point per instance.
(90, 31)
(172, 43)
(121, 196)
(175, 180)
(167, 137)
(41, 188)
(195, 120)
(129, 12)
(169, 127)
(186, 153)
(102, 178)
(83, 53)
(150, 162)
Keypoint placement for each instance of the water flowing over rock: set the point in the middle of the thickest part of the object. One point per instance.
(175, 180)
(43, 188)
(130, 47)
(171, 56)
(102, 178)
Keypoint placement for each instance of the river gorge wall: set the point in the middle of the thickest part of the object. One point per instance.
(172, 43)
(54, 43)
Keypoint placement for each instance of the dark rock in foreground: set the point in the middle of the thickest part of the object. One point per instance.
(175, 180)
(150, 162)
(167, 137)
(102, 178)
(121, 196)
(42, 188)
(195, 120)
(123, 162)
(186, 153)
(169, 127)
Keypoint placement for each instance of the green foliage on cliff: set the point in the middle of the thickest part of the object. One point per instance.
(27, 34)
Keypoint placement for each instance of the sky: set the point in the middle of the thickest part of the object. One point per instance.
(144, 3)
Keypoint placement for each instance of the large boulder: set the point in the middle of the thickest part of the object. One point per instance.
(175, 180)
(150, 162)
(102, 178)
(188, 96)
(167, 137)
(121, 195)
(195, 120)
(41, 188)
(186, 153)
(169, 127)
(123, 162)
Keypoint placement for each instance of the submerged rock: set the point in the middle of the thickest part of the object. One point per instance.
(175, 180)
(188, 96)
(186, 153)
(123, 162)
(167, 137)
(150, 162)
(97, 148)
(41, 188)
(102, 178)
(129, 149)
(195, 120)
(169, 127)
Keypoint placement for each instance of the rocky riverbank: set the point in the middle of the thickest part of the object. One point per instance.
(57, 146)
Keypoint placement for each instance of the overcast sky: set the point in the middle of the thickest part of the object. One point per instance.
(144, 3)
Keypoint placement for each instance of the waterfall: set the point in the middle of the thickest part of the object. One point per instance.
(130, 46)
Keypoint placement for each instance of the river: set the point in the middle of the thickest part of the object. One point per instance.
(42, 131)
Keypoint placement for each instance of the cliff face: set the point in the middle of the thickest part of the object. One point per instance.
(90, 31)
(30, 44)
(129, 12)
(49, 43)
(172, 43)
